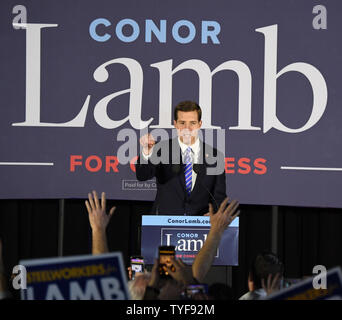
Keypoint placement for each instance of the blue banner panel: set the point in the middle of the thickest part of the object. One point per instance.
(83, 80)
(100, 277)
(188, 236)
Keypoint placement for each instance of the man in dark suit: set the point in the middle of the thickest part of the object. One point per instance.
(189, 173)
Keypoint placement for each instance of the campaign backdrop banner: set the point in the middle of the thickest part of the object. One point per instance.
(305, 289)
(88, 277)
(81, 81)
(188, 235)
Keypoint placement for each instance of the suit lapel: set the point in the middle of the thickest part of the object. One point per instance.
(182, 174)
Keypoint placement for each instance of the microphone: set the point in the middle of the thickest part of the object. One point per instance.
(196, 168)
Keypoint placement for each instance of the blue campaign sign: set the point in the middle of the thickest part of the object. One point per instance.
(305, 290)
(100, 277)
(187, 234)
(82, 80)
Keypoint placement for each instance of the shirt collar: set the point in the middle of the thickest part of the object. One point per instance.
(194, 147)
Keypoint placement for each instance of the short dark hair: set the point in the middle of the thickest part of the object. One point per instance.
(263, 264)
(187, 106)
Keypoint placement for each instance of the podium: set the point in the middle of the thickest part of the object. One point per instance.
(187, 234)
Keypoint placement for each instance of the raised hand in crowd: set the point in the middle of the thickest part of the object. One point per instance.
(98, 219)
(273, 283)
(219, 222)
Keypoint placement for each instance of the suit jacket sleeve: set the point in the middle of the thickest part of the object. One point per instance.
(220, 186)
(148, 169)
(145, 169)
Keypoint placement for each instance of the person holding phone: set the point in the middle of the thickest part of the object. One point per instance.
(169, 276)
(172, 284)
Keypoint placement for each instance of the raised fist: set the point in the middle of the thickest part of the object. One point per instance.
(147, 142)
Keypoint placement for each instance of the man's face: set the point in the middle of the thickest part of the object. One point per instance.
(187, 126)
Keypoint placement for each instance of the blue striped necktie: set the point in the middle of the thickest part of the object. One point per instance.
(188, 171)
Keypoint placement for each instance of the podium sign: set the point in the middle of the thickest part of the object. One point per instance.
(187, 234)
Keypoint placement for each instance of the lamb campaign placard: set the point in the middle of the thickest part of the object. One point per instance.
(87, 277)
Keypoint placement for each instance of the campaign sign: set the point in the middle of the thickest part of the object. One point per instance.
(82, 81)
(305, 290)
(188, 235)
(100, 277)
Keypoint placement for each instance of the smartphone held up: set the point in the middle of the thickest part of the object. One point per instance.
(137, 265)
